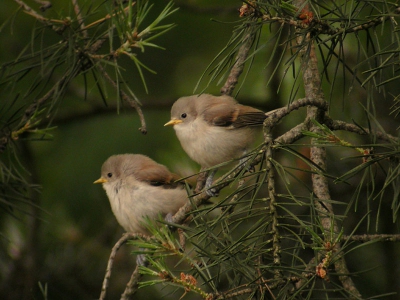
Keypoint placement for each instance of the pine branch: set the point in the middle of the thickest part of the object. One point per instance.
(229, 295)
(33, 13)
(132, 286)
(45, 5)
(312, 89)
(319, 26)
(241, 58)
(30, 111)
(135, 276)
(374, 22)
(371, 237)
(86, 57)
(80, 18)
(276, 245)
(293, 135)
(132, 102)
(341, 125)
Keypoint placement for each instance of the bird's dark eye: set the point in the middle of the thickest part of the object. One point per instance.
(183, 115)
(109, 175)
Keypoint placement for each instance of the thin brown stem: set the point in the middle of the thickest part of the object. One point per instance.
(125, 237)
(29, 10)
(291, 136)
(79, 18)
(371, 237)
(312, 89)
(240, 290)
(238, 67)
(132, 102)
(30, 111)
(45, 5)
(276, 246)
(341, 125)
(132, 286)
(322, 27)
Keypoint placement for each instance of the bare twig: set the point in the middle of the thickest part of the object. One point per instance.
(371, 237)
(107, 17)
(125, 237)
(45, 5)
(132, 285)
(263, 281)
(29, 10)
(79, 18)
(237, 291)
(234, 199)
(308, 272)
(274, 116)
(322, 26)
(276, 246)
(132, 102)
(312, 88)
(293, 135)
(238, 67)
(341, 125)
(235, 294)
(374, 22)
(211, 9)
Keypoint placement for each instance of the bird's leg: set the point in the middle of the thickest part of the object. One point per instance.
(212, 192)
(242, 164)
(243, 161)
(169, 219)
(141, 260)
(201, 180)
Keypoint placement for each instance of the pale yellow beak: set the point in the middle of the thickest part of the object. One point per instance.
(173, 122)
(101, 180)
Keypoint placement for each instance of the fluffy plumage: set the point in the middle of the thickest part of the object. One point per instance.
(215, 129)
(137, 186)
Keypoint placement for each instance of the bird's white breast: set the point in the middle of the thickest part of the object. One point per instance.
(132, 202)
(212, 145)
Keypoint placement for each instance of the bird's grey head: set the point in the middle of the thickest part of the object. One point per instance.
(122, 165)
(112, 168)
(184, 110)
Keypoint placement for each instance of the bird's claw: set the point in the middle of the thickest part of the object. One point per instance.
(243, 163)
(169, 219)
(212, 192)
(141, 260)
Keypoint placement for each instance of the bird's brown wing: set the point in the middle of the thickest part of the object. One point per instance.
(159, 175)
(222, 114)
(174, 183)
(225, 111)
(249, 116)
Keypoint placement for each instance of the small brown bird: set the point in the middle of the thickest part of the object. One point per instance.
(214, 129)
(137, 187)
